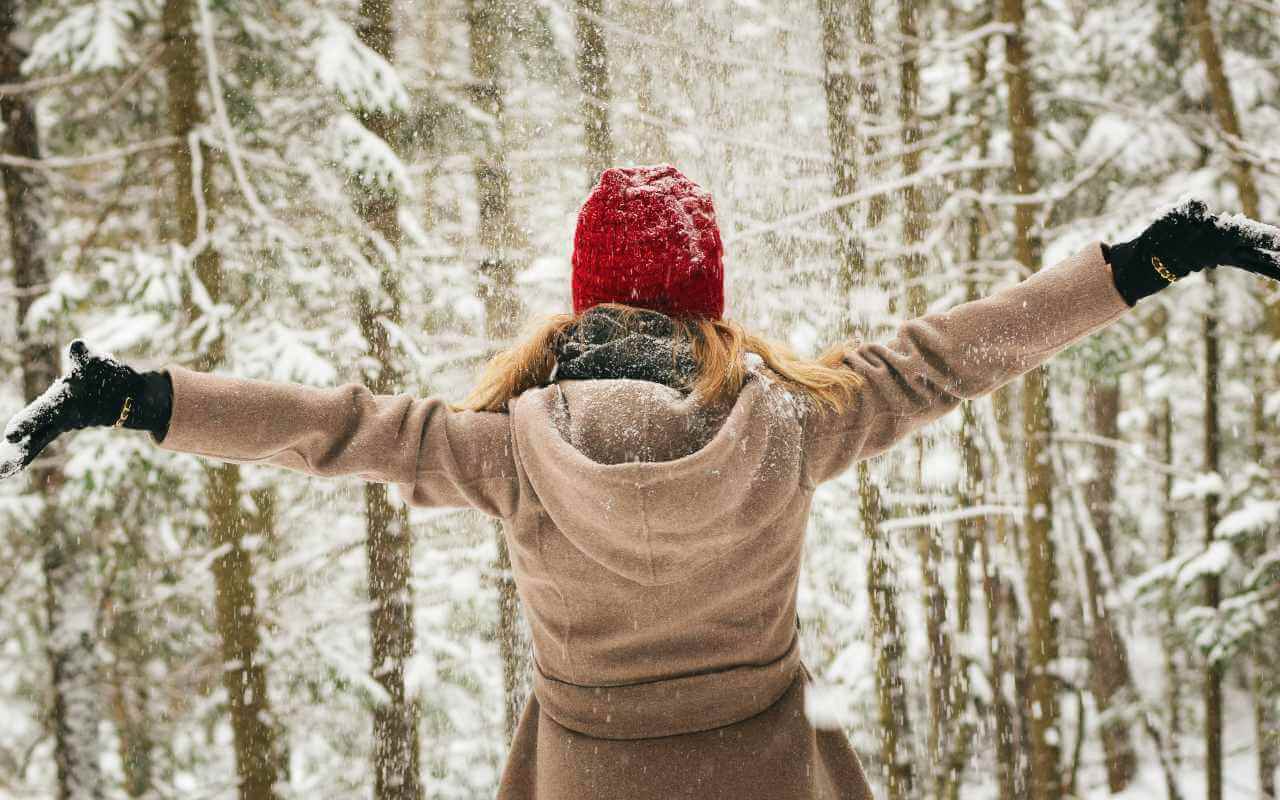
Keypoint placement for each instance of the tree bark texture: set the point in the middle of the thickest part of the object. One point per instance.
(593, 80)
(869, 99)
(1224, 108)
(886, 626)
(973, 531)
(68, 561)
(1214, 669)
(503, 310)
(1108, 663)
(388, 539)
(887, 638)
(254, 730)
(1042, 572)
(840, 91)
(942, 692)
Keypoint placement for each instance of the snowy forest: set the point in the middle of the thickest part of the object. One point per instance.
(1068, 589)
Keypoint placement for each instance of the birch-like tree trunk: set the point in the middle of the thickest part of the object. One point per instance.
(593, 80)
(488, 37)
(976, 531)
(258, 759)
(886, 626)
(1046, 780)
(388, 539)
(68, 562)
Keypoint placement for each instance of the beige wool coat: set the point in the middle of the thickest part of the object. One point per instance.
(656, 542)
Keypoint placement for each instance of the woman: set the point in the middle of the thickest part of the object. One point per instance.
(653, 466)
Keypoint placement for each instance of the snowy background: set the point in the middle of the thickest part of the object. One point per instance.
(345, 148)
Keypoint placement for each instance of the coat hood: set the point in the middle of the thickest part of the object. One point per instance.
(653, 483)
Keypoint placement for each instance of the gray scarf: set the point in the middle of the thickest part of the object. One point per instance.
(602, 345)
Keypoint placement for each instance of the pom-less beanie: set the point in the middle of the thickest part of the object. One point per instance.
(647, 237)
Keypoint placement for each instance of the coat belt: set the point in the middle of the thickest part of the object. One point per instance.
(669, 706)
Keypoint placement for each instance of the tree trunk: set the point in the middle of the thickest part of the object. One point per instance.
(388, 541)
(1042, 572)
(258, 759)
(135, 737)
(1266, 690)
(1212, 586)
(869, 99)
(130, 643)
(886, 627)
(593, 79)
(503, 310)
(1224, 108)
(839, 88)
(68, 562)
(999, 652)
(1172, 674)
(1108, 664)
(942, 689)
(1161, 430)
(1224, 105)
(974, 532)
(888, 641)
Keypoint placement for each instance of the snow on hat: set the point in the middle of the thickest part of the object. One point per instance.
(647, 237)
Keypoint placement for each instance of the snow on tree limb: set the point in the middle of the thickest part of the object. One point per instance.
(361, 77)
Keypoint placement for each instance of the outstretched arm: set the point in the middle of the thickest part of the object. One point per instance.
(438, 456)
(938, 360)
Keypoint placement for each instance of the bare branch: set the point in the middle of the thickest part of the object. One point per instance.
(75, 162)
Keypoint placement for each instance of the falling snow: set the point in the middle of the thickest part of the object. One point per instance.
(335, 191)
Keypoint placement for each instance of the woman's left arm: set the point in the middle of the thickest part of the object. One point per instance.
(938, 360)
(438, 456)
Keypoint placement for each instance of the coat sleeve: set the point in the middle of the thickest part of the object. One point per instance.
(438, 457)
(937, 360)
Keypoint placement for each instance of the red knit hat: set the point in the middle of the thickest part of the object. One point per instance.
(647, 237)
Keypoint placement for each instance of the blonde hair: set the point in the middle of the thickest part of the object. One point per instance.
(719, 348)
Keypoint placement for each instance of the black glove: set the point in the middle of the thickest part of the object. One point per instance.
(1186, 240)
(98, 391)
